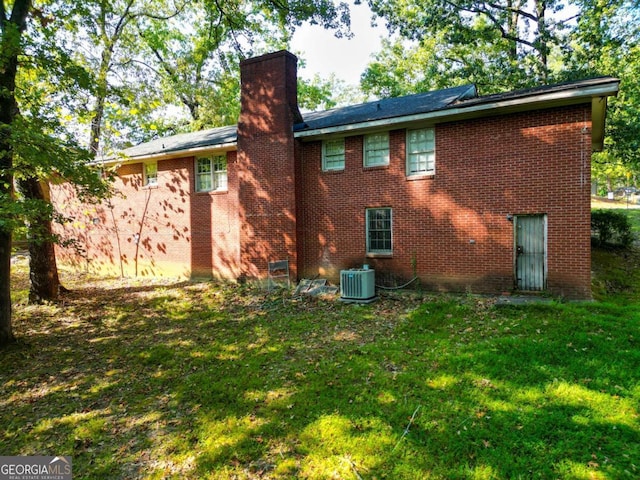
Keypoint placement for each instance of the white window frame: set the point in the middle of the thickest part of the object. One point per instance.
(421, 154)
(373, 247)
(333, 160)
(216, 175)
(150, 178)
(376, 149)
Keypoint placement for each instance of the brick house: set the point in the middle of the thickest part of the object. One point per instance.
(468, 193)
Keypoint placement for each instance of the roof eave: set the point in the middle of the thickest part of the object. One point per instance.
(124, 159)
(474, 110)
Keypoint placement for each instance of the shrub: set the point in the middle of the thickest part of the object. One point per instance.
(610, 227)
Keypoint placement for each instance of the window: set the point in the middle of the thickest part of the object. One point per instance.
(376, 149)
(333, 154)
(150, 176)
(211, 174)
(421, 151)
(379, 230)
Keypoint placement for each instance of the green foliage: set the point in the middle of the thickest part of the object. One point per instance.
(492, 44)
(606, 41)
(610, 173)
(611, 227)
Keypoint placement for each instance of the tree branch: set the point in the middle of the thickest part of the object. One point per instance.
(3, 15)
(519, 11)
(176, 12)
(19, 13)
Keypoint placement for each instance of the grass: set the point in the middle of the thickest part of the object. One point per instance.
(198, 380)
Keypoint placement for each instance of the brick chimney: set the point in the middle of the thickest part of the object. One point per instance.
(266, 162)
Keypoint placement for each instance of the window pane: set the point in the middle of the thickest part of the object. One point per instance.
(220, 168)
(221, 180)
(211, 174)
(376, 149)
(379, 238)
(333, 155)
(203, 175)
(204, 165)
(151, 173)
(420, 151)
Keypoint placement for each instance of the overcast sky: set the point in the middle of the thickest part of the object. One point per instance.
(347, 58)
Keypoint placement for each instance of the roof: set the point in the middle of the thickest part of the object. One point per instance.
(203, 139)
(566, 87)
(440, 105)
(386, 108)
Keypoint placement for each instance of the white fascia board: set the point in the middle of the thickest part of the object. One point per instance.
(598, 120)
(533, 102)
(190, 152)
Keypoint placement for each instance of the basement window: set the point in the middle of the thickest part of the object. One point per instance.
(379, 234)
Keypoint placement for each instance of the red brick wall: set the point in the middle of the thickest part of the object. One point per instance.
(215, 228)
(451, 228)
(266, 162)
(164, 230)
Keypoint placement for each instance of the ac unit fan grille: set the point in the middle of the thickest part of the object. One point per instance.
(357, 285)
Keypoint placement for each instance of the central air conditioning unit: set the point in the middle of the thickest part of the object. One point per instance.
(357, 286)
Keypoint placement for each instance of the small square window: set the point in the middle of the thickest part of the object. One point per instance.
(150, 177)
(379, 237)
(376, 149)
(421, 151)
(333, 154)
(211, 174)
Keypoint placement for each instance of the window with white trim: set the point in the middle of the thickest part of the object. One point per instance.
(211, 173)
(421, 151)
(376, 149)
(150, 174)
(333, 154)
(379, 234)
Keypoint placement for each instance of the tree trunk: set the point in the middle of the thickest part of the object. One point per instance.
(43, 270)
(10, 46)
(6, 195)
(6, 330)
(543, 40)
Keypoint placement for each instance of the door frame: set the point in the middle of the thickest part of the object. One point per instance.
(540, 283)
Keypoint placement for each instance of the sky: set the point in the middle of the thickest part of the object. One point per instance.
(347, 58)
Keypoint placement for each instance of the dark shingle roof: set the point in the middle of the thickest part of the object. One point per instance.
(457, 97)
(541, 90)
(185, 141)
(386, 108)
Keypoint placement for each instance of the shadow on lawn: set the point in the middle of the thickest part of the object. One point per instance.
(195, 380)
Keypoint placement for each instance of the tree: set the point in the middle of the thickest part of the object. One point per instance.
(46, 80)
(12, 27)
(512, 37)
(198, 67)
(606, 41)
(512, 44)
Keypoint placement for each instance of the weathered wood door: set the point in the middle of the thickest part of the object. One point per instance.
(530, 252)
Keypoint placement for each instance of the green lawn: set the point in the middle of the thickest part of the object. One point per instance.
(138, 380)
